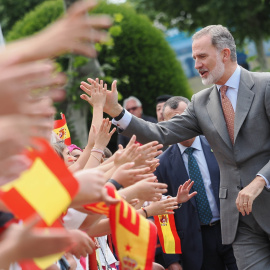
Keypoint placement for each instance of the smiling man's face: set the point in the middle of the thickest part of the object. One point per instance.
(208, 60)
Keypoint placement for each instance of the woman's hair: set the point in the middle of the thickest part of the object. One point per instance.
(59, 148)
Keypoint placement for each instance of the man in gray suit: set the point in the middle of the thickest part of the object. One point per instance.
(234, 116)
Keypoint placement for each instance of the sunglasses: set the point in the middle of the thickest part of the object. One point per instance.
(132, 109)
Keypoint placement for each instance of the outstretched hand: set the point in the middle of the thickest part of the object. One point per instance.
(95, 93)
(183, 192)
(162, 207)
(111, 106)
(23, 241)
(103, 136)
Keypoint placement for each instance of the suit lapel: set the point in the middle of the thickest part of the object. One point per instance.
(244, 100)
(179, 170)
(216, 115)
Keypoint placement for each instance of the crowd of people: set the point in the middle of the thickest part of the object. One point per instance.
(214, 176)
(29, 85)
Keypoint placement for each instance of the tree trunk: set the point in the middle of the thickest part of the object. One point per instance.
(77, 118)
(261, 55)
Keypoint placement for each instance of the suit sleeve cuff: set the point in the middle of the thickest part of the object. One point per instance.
(266, 181)
(124, 121)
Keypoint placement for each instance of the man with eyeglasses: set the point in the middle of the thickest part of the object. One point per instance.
(134, 106)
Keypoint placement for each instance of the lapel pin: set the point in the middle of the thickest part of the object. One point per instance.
(212, 150)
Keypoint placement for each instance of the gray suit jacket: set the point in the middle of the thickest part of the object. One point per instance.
(238, 164)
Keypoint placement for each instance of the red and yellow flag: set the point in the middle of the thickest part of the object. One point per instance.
(46, 189)
(167, 234)
(61, 129)
(98, 208)
(134, 237)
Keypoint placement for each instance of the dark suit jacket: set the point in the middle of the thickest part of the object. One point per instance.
(124, 140)
(172, 171)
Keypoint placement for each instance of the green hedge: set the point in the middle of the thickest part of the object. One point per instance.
(145, 59)
(138, 56)
(37, 19)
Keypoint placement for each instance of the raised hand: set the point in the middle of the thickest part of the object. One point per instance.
(91, 188)
(128, 154)
(17, 131)
(18, 80)
(183, 192)
(91, 183)
(84, 244)
(111, 107)
(147, 153)
(162, 207)
(95, 93)
(126, 176)
(24, 242)
(12, 167)
(149, 189)
(72, 33)
(103, 136)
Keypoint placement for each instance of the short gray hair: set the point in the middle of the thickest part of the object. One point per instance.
(173, 102)
(221, 38)
(138, 103)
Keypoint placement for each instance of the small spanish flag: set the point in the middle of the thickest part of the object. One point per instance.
(61, 129)
(167, 234)
(134, 237)
(46, 189)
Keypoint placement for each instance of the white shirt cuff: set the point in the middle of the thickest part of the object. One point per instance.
(124, 121)
(266, 181)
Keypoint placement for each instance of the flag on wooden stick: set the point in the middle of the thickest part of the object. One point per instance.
(61, 129)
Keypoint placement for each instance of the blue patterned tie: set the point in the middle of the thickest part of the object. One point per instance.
(205, 214)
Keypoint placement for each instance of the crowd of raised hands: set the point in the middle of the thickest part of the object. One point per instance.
(29, 84)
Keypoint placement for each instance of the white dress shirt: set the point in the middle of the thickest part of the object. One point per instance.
(200, 158)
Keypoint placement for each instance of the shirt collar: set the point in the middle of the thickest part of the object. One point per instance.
(196, 144)
(234, 80)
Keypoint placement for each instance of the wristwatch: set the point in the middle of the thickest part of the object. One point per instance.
(119, 117)
(115, 183)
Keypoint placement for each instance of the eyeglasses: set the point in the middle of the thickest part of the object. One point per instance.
(132, 109)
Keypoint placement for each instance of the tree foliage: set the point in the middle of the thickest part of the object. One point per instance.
(141, 58)
(35, 20)
(138, 56)
(12, 11)
(245, 19)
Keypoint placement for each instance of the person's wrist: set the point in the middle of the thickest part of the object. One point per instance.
(115, 183)
(116, 111)
(260, 180)
(99, 146)
(145, 212)
(98, 105)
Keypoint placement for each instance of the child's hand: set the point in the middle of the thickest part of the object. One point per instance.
(103, 136)
(127, 176)
(96, 93)
(162, 207)
(183, 192)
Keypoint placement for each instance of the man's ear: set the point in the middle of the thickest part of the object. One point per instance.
(226, 55)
